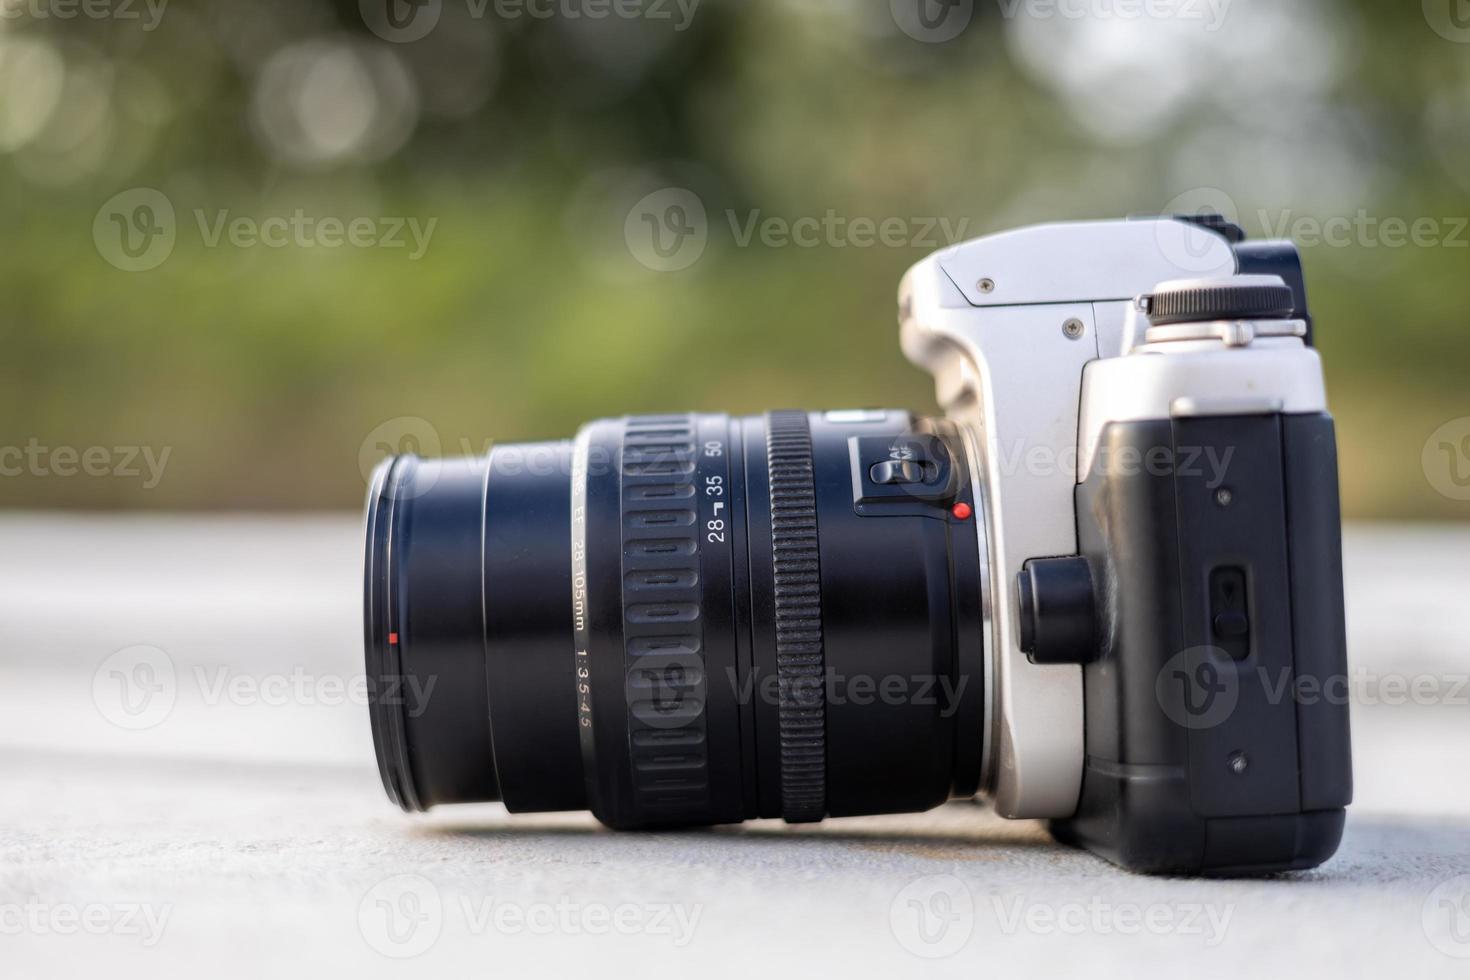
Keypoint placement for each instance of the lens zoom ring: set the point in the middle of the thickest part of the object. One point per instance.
(663, 622)
(800, 663)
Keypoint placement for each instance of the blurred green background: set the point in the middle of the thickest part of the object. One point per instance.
(526, 135)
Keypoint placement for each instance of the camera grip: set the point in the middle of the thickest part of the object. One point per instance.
(1216, 705)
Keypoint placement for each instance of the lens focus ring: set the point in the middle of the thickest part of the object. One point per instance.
(800, 662)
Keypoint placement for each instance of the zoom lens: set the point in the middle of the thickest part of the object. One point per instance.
(682, 619)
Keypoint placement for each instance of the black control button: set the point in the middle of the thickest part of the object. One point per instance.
(1230, 612)
(892, 471)
(1232, 623)
(1058, 619)
(911, 469)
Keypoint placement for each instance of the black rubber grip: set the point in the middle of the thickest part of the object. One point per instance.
(800, 662)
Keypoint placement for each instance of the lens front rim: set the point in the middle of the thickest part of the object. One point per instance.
(380, 630)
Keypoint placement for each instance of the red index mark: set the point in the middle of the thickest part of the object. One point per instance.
(962, 511)
(392, 639)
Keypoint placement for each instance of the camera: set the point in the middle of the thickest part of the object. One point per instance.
(1102, 589)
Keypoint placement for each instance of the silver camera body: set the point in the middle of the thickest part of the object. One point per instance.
(1045, 344)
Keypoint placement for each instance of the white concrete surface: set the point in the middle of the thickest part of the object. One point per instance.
(244, 833)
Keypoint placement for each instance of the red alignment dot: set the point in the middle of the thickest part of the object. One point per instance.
(392, 639)
(962, 511)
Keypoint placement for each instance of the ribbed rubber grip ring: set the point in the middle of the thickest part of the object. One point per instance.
(800, 662)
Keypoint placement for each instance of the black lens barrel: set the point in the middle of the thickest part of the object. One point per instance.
(425, 635)
(468, 620)
(681, 619)
(528, 627)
